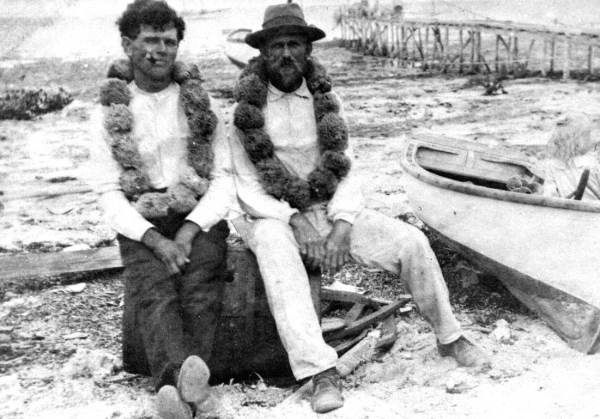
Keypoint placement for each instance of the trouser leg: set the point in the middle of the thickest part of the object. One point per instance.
(398, 247)
(288, 293)
(202, 289)
(152, 313)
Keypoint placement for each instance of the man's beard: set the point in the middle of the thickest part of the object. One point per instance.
(286, 73)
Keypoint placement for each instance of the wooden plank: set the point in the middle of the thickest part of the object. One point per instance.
(35, 265)
(48, 192)
(544, 58)
(369, 320)
(349, 343)
(331, 324)
(567, 58)
(552, 54)
(389, 332)
(473, 47)
(354, 313)
(328, 294)
(460, 49)
(497, 54)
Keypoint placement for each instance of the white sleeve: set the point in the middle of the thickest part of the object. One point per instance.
(103, 176)
(251, 195)
(348, 200)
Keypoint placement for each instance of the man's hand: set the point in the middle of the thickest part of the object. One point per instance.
(169, 252)
(337, 247)
(185, 236)
(309, 240)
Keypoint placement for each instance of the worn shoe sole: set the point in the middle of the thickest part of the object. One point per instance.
(193, 380)
(326, 401)
(465, 353)
(170, 406)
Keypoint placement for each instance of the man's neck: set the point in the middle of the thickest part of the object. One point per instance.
(148, 85)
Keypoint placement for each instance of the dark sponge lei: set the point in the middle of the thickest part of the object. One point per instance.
(115, 96)
(251, 96)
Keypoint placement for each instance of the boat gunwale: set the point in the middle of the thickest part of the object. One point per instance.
(412, 167)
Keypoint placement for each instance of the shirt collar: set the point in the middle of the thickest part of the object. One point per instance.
(155, 95)
(276, 94)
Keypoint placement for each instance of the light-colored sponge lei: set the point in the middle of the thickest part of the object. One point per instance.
(251, 95)
(181, 198)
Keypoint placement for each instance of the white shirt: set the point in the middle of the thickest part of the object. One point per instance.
(160, 129)
(290, 123)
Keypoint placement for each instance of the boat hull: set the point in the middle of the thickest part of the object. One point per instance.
(543, 251)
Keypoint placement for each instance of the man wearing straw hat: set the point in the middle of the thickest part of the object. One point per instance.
(303, 202)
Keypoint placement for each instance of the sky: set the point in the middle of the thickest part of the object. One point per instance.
(86, 29)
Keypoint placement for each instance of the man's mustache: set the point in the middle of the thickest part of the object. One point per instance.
(288, 61)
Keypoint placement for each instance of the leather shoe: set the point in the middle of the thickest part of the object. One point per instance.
(465, 352)
(327, 395)
(193, 387)
(170, 406)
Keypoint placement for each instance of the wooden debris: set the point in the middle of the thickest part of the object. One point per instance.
(331, 324)
(361, 352)
(75, 335)
(354, 313)
(36, 265)
(345, 364)
(352, 297)
(389, 333)
(76, 288)
(349, 343)
(368, 320)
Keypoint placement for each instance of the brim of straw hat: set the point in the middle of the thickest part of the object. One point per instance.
(258, 38)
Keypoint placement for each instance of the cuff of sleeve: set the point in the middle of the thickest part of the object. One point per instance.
(349, 217)
(288, 214)
(203, 221)
(139, 230)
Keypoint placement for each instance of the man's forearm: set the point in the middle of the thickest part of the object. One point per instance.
(152, 238)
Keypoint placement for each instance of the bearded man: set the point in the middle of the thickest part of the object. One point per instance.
(302, 200)
(153, 154)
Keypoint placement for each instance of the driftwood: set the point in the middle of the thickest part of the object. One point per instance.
(39, 265)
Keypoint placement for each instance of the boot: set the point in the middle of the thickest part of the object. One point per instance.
(327, 395)
(465, 352)
(170, 406)
(192, 383)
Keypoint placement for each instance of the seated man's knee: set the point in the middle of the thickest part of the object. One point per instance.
(416, 239)
(269, 231)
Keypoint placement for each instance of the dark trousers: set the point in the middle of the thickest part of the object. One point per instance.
(166, 317)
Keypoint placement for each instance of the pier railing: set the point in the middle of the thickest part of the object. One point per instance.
(475, 46)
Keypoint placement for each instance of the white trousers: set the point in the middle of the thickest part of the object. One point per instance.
(376, 241)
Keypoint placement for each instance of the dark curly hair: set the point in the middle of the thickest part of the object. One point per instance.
(155, 13)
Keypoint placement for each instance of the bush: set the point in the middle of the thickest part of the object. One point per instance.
(28, 103)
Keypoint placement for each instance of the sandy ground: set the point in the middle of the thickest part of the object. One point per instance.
(43, 333)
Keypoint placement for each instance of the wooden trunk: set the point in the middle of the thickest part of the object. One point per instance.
(246, 340)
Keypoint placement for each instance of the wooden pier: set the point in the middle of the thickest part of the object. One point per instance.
(471, 47)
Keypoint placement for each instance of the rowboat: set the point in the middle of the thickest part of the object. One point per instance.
(544, 249)
(236, 49)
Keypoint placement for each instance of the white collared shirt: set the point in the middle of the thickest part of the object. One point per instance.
(160, 129)
(290, 123)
